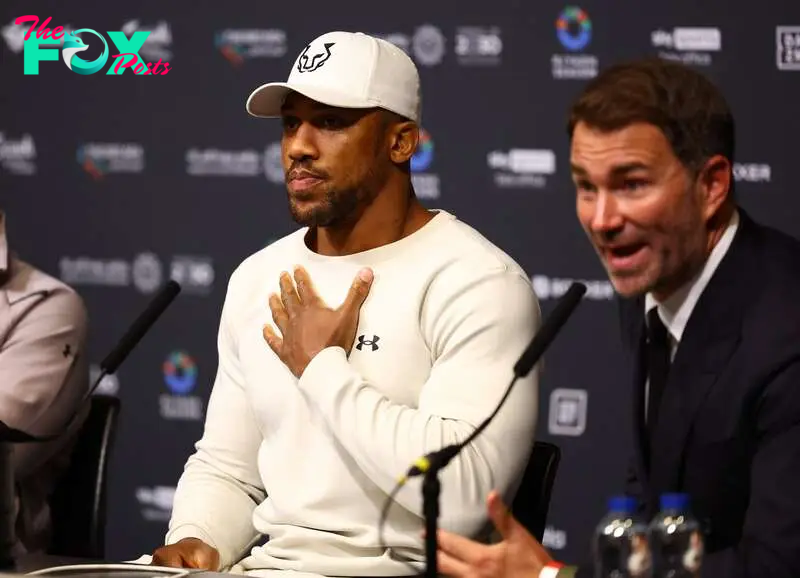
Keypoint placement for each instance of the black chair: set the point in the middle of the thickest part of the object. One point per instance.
(532, 501)
(78, 505)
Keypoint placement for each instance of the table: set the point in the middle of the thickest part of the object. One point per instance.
(32, 562)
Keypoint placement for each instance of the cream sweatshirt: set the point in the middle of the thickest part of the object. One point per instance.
(291, 474)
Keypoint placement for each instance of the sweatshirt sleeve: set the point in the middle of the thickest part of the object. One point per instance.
(476, 330)
(220, 485)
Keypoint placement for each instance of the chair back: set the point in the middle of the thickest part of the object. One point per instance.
(532, 501)
(78, 505)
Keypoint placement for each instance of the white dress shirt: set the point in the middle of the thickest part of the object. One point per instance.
(677, 308)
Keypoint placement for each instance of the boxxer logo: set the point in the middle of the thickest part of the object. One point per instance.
(127, 50)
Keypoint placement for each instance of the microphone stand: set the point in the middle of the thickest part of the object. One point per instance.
(431, 487)
(10, 436)
(431, 464)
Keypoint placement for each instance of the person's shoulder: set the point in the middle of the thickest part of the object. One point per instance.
(772, 319)
(473, 272)
(38, 293)
(470, 252)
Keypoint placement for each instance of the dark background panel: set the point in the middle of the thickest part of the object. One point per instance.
(115, 236)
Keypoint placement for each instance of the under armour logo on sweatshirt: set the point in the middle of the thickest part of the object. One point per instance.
(362, 341)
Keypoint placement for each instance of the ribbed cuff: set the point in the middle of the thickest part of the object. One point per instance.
(189, 531)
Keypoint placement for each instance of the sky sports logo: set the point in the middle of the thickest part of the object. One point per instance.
(522, 168)
(688, 45)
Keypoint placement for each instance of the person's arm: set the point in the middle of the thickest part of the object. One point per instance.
(43, 371)
(476, 332)
(770, 542)
(220, 486)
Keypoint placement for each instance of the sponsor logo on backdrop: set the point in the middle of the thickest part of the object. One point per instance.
(273, 165)
(109, 385)
(554, 287)
(752, 172)
(428, 45)
(195, 274)
(157, 46)
(480, 46)
(402, 41)
(238, 45)
(100, 159)
(180, 376)
(156, 502)
(426, 184)
(214, 162)
(522, 168)
(145, 272)
(554, 539)
(688, 45)
(222, 163)
(124, 51)
(574, 32)
(18, 154)
(787, 47)
(568, 410)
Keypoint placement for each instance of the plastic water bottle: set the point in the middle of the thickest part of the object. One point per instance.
(675, 539)
(620, 542)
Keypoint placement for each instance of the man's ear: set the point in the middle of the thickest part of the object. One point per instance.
(715, 180)
(404, 137)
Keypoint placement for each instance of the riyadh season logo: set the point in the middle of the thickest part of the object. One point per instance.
(574, 31)
(180, 376)
(126, 53)
(426, 184)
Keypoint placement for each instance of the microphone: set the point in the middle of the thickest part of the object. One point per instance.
(109, 365)
(9, 435)
(538, 345)
(430, 464)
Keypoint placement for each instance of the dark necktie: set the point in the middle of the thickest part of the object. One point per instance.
(658, 362)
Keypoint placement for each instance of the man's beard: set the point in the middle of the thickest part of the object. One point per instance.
(336, 208)
(342, 206)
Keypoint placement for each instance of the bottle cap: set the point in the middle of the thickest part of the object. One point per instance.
(623, 504)
(674, 501)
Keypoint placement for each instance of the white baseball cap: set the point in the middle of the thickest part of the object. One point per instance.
(347, 70)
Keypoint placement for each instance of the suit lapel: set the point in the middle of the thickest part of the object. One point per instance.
(709, 340)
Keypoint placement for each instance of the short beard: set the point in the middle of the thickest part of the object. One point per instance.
(343, 206)
(337, 208)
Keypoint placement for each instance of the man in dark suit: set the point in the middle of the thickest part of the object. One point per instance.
(710, 317)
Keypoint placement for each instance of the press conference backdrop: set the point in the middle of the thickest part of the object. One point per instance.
(116, 183)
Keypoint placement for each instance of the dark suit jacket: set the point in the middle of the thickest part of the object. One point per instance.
(728, 430)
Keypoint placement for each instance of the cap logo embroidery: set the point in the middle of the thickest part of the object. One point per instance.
(306, 63)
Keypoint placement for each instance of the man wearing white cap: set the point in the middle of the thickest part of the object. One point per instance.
(378, 332)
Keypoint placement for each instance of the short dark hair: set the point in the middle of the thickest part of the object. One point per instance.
(688, 108)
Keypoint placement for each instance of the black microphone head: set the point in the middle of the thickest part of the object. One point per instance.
(142, 324)
(551, 326)
(576, 291)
